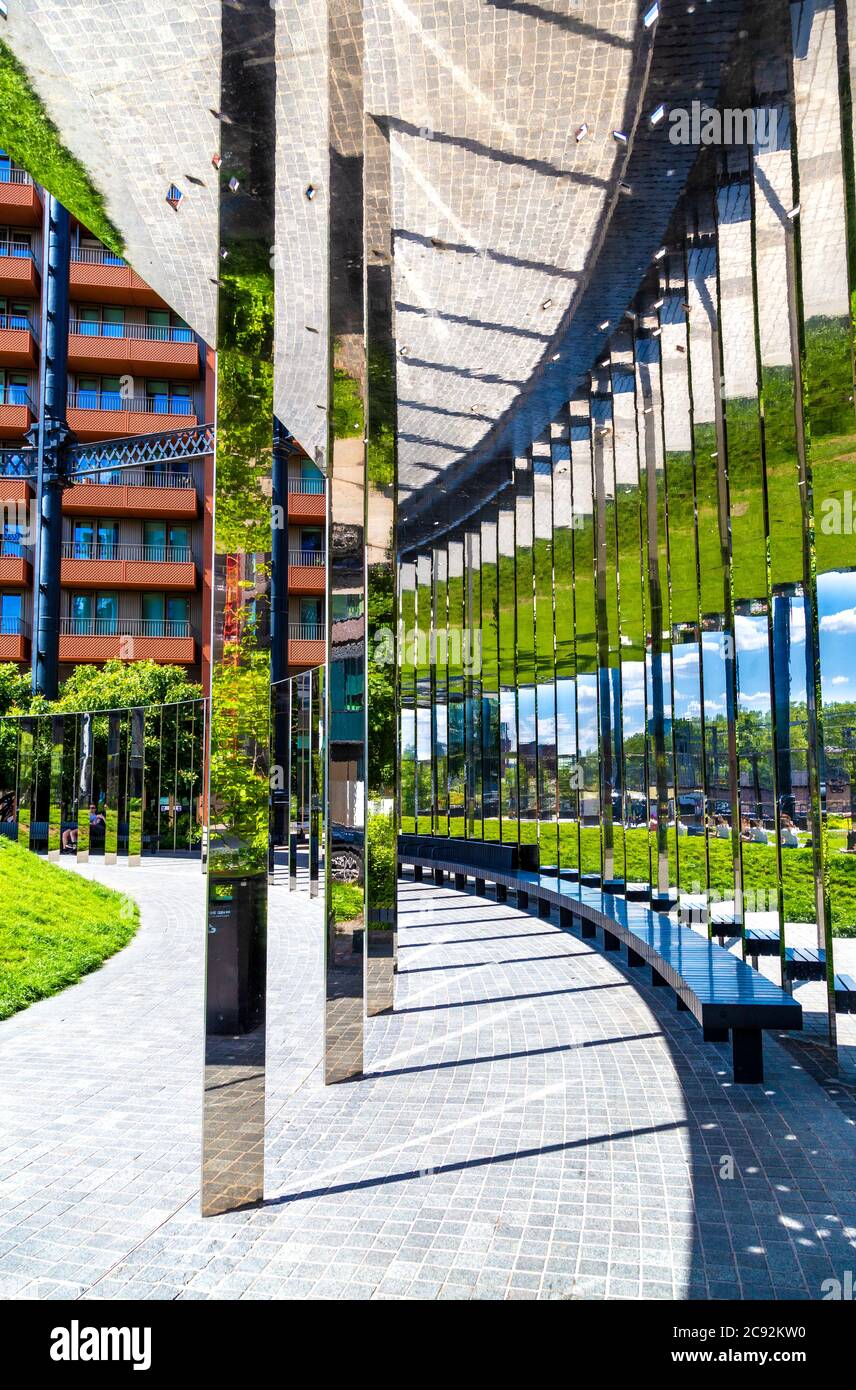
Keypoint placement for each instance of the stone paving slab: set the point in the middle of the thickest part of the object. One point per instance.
(534, 1122)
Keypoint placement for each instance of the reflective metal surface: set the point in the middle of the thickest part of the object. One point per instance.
(238, 792)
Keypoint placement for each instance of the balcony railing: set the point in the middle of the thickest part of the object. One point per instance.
(316, 559)
(95, 255)
(137, 405)
(11, 174)
(306, 632)
(148, 332)
(309, 487)
(124, 627)
(16, 395)
(109, 550)
(17, 463)
(18, 250)
(133, 477)
(14, 627)
(19, 321)
(10, 545)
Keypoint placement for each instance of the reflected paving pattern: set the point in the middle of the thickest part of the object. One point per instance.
(532, 1124)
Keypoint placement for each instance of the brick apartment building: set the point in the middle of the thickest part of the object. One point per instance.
(134, 577)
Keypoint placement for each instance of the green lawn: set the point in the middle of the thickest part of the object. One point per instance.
(54, 927)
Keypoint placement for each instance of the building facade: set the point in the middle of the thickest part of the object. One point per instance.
(134, 574)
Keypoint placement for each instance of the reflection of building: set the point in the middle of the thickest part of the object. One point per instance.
(132, 569)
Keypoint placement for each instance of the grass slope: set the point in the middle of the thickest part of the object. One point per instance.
(54, 927)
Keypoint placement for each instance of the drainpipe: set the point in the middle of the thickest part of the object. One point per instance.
(50, 435)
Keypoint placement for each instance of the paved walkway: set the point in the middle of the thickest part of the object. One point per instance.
(532, 1124)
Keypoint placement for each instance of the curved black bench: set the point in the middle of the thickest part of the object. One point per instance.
(723, 993)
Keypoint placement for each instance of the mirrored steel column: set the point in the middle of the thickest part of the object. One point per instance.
(565, 652)
(84, 786)
(381, 732)
(315, 785)
(25, 781)
(111, 788)
(134, 800)
(239, 726)
(55, 791)
(490, 718)
(346, 594)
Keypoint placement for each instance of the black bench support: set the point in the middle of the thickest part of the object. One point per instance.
(610, 941)
(712, 1034)
(566, 918)
(657, 979)
(634, 958)
(522, 898)
(682, 1007)
(501, 893)
(587, 928)
(543, 907)
(480, 887)
(461, 882)
(417, 873)
(747, 1050)
(439, 876)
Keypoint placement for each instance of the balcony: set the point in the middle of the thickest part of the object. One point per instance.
(17, 468)
(141, 347)
(14, 639)
(134, 492)
(18, 273)
(16, 411)
(15, 569)
(20, 202)
(167, 567)
(126, 639)
(103, 414)
(17, 341)
(96, 274)
(307, 499)
(307, 644)
(306, 571)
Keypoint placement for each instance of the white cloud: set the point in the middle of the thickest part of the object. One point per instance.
(842, 622)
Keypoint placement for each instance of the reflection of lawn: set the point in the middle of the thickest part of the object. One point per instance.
(759, 867)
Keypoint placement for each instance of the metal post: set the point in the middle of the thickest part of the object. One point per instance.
(51, 433)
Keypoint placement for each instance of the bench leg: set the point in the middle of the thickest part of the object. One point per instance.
(566, 918)
(747, 1051)
(480, 887)
(522, 898)
(461, 882)
(610, 941)
(657, 979)
(439, 876)
(633, 957)
(682, 1007)
(543, 907)
(715, 1034)
(754, 960)
(587, 928)
(501, 893)
(417, 873)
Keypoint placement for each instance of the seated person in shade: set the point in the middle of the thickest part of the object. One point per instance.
(745, 828)
(682, 828)
(721, 828)
(69, 837)
(789, 837)
(758, 835)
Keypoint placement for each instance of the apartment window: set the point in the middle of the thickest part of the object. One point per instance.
(14, 388)
(99, 393)
(310, 611)
(167, 327)
(162, 540)
(96, 252)
(95, 539)
(95, 614)
(10, 613)
(13, 540)
(15, 242)
(15, 313)
(169, 397)
(166, 615)
(311, 540)
(101, 320)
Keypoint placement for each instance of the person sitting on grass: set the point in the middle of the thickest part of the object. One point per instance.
(789, 837)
